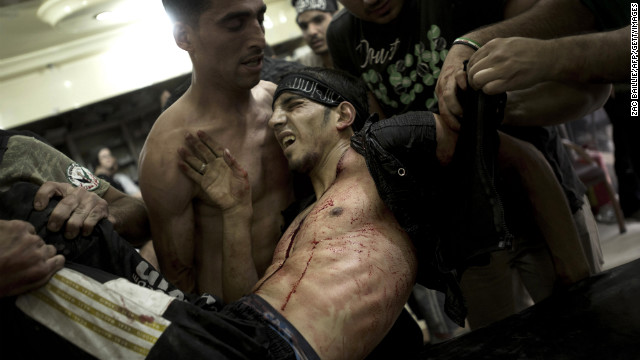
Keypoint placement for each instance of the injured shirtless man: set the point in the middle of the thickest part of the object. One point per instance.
(345, 267)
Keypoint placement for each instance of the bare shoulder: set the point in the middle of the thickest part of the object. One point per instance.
(169, 119)
(158, 162)
(262, 100)
(161, 137)
(352, 163)
(267, 86)
(263, 92)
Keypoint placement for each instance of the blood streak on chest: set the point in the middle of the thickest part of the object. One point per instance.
(327, 203)
(335, 212)
(295, 285)
(292, 239)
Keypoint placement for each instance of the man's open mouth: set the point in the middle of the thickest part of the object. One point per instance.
(288, 141)
(254, 61)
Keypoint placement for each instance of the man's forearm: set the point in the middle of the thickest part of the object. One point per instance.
(173, 241)
(130, 219)
(547, 19)
(601, 57)
(540, 105)
(239, 273)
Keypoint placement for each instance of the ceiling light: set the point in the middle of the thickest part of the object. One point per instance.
(53, 12)
(268, 24)
(282, 17)
(105, 16)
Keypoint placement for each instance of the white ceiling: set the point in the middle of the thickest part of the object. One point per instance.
(41, 39)
(23, 30)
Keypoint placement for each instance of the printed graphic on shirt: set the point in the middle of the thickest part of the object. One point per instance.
(146, 276)
(412, 74)
(82, 177)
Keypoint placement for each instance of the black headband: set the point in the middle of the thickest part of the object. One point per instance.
(315, 90)
(320, 5)
(309, 88)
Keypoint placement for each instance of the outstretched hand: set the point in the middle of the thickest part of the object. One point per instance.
(216, 171)
(79, 208)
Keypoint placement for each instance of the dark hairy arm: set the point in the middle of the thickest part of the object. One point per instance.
(129, 216)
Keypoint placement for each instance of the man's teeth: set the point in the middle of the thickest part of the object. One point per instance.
(253, 63)
(288, 140)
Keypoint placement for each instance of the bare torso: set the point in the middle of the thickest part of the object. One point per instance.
(186, 229)
(344, 269)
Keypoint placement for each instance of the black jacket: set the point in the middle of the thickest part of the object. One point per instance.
(453, 214)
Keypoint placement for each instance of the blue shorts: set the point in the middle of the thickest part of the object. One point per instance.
(256, 308)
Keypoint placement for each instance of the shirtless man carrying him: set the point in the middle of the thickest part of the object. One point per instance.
(227, 100)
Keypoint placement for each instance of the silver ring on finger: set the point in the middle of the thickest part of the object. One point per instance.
(203, 167)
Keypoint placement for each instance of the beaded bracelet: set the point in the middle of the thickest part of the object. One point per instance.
(468, 42)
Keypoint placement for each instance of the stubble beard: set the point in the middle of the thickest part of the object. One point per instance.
(305, 164)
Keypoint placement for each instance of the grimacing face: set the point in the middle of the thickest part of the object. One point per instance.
(301, 127)
(375, 11)
(314, 24)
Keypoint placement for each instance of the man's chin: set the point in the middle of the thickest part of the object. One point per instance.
(321, 51)
(250, 82)
(252, 74)
(303, 164)
(296, 166)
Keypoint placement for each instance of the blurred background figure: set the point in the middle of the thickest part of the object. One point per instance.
(313, 18)
(105, 166)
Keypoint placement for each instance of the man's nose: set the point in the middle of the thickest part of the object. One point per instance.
(257, 35)
(277, 119)
(314, 29)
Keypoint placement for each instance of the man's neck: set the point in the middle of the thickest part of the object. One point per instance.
(327, 61)
(208, 95)
(325, 173)
(101, 170)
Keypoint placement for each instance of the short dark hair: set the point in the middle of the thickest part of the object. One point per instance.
(187, 11)
(351, 88)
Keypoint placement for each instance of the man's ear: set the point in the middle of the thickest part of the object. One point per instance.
(182, 33)
(347, 115)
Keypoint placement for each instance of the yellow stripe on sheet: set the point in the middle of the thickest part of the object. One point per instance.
(103, 301)
(117, 319)
(103, 316)
(96, 329)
